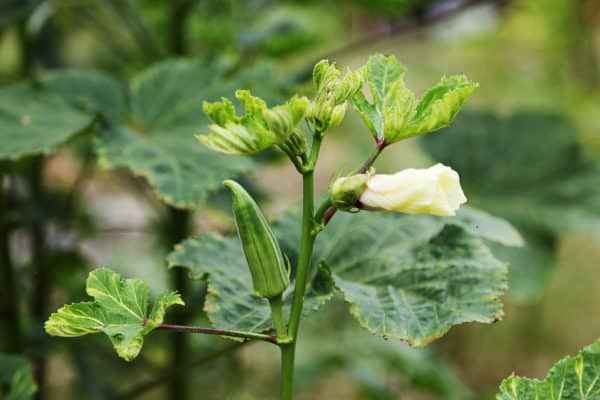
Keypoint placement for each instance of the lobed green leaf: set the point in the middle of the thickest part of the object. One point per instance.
(438, 107)
(412, 277)
(391, 113)
(545, 197)
(90, 91)
(121, 310)
(572, 378)
(159, 145)
(438, 266)
(35, 121)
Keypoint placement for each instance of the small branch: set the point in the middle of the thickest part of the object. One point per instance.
(219, 332)
(298, 163)
(323, 208)
(278, 318)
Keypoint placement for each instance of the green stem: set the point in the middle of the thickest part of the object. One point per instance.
(216, 331)
(307, 240)
(26, 51)
(323, 208)
(180, 9)
(278, 318)
(288, 355)
(178, 227)
(306, 246)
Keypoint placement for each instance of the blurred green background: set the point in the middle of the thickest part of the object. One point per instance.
(527, 149)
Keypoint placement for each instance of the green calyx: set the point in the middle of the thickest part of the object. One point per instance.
(259, 128)
(345, 192)
(262, 251)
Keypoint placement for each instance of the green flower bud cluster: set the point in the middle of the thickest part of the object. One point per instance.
(259, 128)
(328, 108)
(263, 254)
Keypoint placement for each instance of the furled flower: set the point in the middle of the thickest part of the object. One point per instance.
(435, 190)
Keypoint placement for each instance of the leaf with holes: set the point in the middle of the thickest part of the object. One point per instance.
(35, 121)
(121, 310)
(572, 378)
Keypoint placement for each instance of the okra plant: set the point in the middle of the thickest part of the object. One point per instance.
(409, 259)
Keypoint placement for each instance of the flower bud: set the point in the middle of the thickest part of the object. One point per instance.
(324, 74)
(319, 114)
(259, 128)
(329, 106)
(264, 257)
(337, 115)
(296, 143)
(345, 192)
(435, 190)
(279, 121)
(348, 86)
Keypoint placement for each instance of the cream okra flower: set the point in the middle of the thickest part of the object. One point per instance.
(435, 190)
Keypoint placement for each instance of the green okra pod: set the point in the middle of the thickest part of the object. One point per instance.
(263, 254)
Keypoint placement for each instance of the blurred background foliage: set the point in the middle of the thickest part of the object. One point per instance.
(118, 105)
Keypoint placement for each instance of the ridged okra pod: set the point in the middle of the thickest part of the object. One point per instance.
(262, 251)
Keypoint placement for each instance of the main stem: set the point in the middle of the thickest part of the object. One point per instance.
(288, 351)
(41, 277)
(179, 222)
(9, 297)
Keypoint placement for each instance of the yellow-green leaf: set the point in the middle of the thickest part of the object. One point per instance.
(391, 113)
(121, 310)
(572, 378)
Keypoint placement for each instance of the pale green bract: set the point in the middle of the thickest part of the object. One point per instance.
(258, 129)
(392, 113)
(121, 310)
(572, 378)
